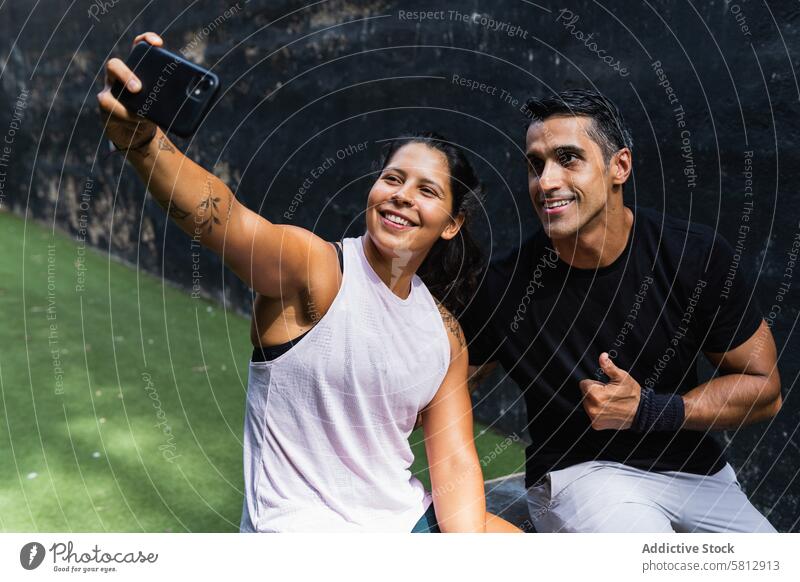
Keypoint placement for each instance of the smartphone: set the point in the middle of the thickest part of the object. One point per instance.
(176, 94)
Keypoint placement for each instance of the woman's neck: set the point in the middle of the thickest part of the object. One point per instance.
(395, 272)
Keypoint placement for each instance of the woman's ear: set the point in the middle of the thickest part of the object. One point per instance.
(452, 229)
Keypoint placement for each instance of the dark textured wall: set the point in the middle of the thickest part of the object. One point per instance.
(303, 84)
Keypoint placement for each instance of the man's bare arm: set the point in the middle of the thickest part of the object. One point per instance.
(747, 391)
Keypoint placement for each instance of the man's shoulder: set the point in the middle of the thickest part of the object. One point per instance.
(688, 249)
(501, 276)
(506, 262)
(672, 230)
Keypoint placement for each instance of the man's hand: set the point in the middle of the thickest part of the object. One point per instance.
(612, 405)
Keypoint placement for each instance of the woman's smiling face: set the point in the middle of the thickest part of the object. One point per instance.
(409, 206)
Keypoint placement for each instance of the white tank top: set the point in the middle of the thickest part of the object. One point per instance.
(327, 423)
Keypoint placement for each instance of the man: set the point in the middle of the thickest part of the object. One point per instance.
(600, 318)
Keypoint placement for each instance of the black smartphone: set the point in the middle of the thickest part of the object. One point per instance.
(176, 94)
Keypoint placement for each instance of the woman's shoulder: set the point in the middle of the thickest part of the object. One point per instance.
(455, 334)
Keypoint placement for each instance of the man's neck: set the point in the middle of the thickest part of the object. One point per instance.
(600, 244)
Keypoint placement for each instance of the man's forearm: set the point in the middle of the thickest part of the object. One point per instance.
(477, 374)
(731, 401)
(197, 201)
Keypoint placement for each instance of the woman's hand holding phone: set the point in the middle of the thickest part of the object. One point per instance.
(124, 128)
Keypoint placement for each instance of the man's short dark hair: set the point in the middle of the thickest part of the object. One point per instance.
(608, 129)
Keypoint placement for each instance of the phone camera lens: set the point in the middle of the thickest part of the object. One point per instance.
(200, 86)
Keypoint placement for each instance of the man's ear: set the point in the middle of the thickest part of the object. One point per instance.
(452, 229)
(621, 166)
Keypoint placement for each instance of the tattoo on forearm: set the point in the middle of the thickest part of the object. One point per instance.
(145, 153)
(452, 325)
(164, 145)
(207, 213)
(174, 211)
(230, 207)
(177, 213)
(210, 205)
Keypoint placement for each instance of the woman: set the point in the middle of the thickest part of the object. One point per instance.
(351, 344)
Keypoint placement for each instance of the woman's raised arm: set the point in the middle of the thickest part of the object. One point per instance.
(273, 260)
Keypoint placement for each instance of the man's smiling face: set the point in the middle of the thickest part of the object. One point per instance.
(569, 181)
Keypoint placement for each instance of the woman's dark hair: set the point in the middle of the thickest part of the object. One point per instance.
(452, 267)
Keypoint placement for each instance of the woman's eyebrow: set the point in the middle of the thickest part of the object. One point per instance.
(421, 180)
(431, 182)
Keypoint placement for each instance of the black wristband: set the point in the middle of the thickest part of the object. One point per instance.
(659, 412)
(143, 143)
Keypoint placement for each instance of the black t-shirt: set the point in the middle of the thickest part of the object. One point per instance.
(675, 291)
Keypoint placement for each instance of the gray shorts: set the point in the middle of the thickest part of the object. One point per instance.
(604, 496)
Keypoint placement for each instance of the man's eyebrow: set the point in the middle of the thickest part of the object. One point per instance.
(570, 148)
(559, 149)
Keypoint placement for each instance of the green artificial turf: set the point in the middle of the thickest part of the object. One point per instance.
(122, 402)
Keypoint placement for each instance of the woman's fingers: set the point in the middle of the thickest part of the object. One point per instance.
(113, 108)
(119, 120)
(149, 37)
(117, 70)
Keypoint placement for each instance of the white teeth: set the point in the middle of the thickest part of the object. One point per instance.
(557, 204)
(396, 219)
